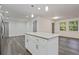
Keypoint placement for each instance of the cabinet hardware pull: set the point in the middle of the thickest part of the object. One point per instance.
(27, 40)
(37, 47)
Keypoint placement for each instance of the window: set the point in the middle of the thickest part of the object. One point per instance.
(62, 26)
(73, 26)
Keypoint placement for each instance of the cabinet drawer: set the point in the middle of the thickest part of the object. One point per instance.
(40, 42)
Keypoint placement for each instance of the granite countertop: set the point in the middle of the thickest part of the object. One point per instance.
(51, 35)
(69, 34)
(42, 35)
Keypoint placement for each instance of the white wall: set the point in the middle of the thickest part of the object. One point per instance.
(43, 25)
(67, 32)
(17, 28)
(29, 26)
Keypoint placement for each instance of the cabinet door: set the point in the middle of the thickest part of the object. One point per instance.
(37, 45)
(34, 45)
(31, 44)
(43, 46)
(40, 45)
(52, 46)
(47, 47)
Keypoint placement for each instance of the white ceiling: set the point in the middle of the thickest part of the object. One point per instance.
(62, 10)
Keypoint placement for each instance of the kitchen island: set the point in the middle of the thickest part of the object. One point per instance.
(52, 44)
(42, 43)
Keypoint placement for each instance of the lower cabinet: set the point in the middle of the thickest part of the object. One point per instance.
(40, 46)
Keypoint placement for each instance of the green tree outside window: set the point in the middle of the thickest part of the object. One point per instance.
(62, 26)
(73, 26)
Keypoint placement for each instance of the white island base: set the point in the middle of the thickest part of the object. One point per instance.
(42, 43)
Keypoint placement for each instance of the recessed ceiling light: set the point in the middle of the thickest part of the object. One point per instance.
(39, 8)
(56, 17)
(32, 15)
(7, 18)
(46, 8)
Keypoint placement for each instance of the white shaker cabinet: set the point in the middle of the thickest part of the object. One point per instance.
(39, 45)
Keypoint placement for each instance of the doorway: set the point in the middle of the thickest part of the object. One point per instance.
(35, 26)
(52, 27)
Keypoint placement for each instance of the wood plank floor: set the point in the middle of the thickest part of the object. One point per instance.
(15, 46)
(68, 46)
